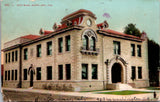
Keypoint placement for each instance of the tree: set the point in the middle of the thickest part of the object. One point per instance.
(153, 54)
(132, 30)
(153, 62)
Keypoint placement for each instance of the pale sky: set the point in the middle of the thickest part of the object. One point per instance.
(21, 20)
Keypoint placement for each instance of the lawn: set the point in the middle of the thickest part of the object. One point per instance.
(153, 88)
(94, 90)
(126, 92)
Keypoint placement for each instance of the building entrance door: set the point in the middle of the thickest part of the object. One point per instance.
(31, 78)
(116, 73)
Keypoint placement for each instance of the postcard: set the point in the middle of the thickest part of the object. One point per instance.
(80, 50)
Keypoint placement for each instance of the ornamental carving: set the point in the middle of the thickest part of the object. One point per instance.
(89, 33)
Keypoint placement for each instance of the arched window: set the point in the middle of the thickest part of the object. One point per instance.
(92, 44)
(85, 42)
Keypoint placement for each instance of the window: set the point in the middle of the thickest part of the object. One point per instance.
(12, 56)
(139, 72)
(68, 71)
(25, 54)
(25, 74)
(15, 74)
(84, 71)
(133, 72)
(60, 44)
(39, 50)
(39, 73)
(94, 71)
(9, 75)
(5, 75)
(139, 50)
(49, 48)
(92, 44)
(16, 55)
(85, 42)
(6, 57)
(60, 72)
(133, 49)
(117, 48)
(49, 72)
(12, 74)
(68, 43)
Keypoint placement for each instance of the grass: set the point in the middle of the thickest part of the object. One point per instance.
(153, 88)
(127, 92)
(94, 90)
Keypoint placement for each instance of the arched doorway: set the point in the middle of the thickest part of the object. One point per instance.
(117, 73)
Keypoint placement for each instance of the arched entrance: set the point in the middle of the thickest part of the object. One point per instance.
(31, 71)
(117, 73)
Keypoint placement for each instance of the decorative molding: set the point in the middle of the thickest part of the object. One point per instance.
(89, 33)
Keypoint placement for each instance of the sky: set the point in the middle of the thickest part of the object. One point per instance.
(18, 19)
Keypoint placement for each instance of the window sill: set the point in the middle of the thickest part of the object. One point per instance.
(68, 51)
(49, 55)
(85, 79)
(38, 57)
(90, 52)
(94, 79)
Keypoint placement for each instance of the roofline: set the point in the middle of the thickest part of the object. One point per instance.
(80, 11)
(77, 15)
(44, 37)
(11, 47)
(118, 36)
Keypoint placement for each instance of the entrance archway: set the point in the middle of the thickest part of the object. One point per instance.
(117, 73)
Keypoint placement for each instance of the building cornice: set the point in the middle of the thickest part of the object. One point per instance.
(74, 27)
(119, 36)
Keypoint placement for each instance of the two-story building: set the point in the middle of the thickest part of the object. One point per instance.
(77, 55)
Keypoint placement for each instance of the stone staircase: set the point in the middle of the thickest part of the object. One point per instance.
(121, 86)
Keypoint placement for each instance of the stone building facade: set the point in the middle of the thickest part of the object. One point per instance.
(77, 55)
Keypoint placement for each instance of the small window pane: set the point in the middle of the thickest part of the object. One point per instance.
(139, 50)
(9, 75)
(60, 72)
(13, 56)
(25, 74)
(15, 74)
(5, 75)
(84, 71)
(133, 49)
(94, 71)
(140, 72)
(6, 57)
(12, 74)
(38, 50)
(9, 57)
(117, 48)
(68, 43)
(16, 55)
(25, 54)
(133, 73)
(39, 73)
(68, 71)
(49, 73)
(60, 44)
(49, 48)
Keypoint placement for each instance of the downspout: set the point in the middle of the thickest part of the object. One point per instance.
(20, 67)
(103, 62)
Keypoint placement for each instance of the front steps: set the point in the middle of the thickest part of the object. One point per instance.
(123, 87)
(119, 86)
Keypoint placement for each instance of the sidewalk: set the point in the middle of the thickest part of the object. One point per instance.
(89, 95)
